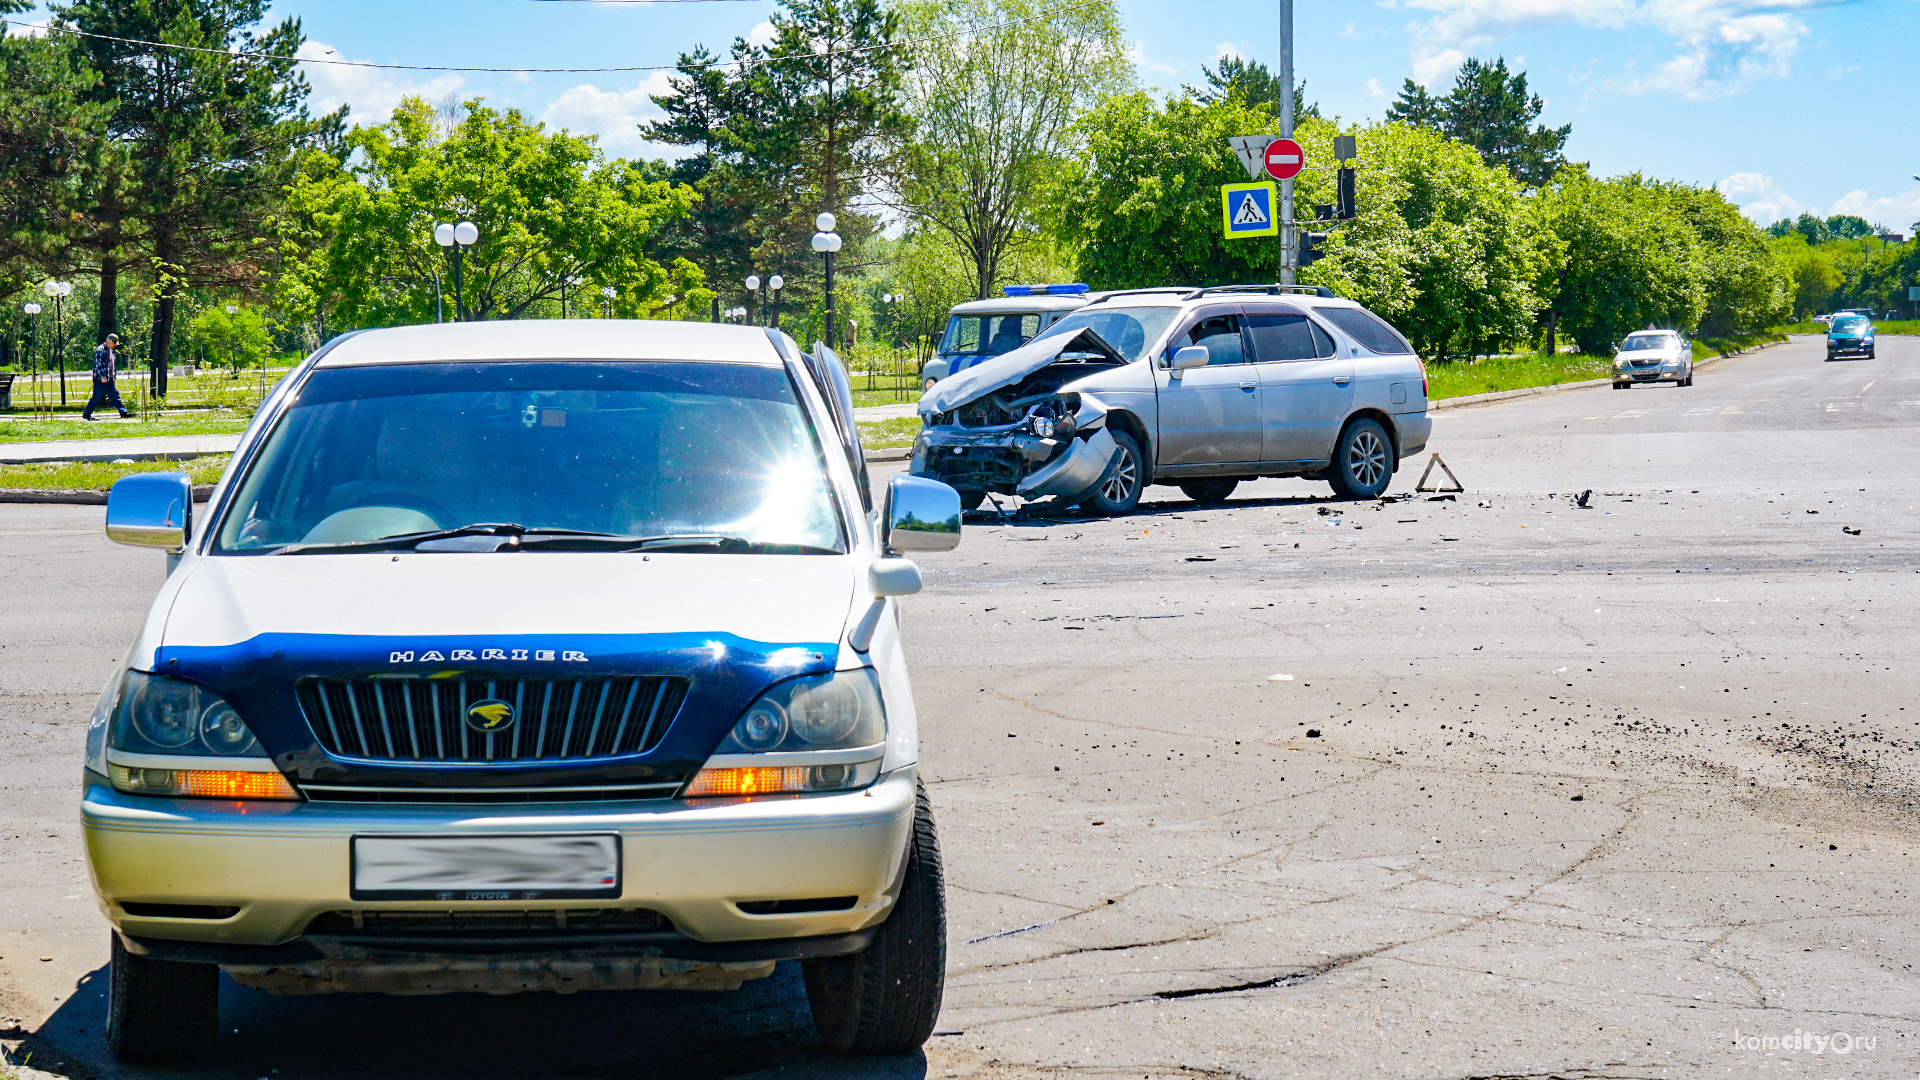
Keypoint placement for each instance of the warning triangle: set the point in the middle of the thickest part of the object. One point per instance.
(1249, 212)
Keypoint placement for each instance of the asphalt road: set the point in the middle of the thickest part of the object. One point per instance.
(1551, 791)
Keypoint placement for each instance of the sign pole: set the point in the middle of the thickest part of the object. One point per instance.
(1286, 132)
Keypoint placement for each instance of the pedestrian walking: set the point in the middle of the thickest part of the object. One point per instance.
(105, 360)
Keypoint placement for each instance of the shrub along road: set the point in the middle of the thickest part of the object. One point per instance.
(1551, 791)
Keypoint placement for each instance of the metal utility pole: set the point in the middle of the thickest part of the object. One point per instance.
(1287, 250)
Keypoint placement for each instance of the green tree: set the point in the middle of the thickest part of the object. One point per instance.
(1815, 278)
(50, 144)
(1251, 83)
(211, 133)
(992, 115)
(1847, 227)
(1417, 107)
(233, 336)
(718, 235)
(1747, 288)
(1632, 260)
(1491, 110)
(551, 212)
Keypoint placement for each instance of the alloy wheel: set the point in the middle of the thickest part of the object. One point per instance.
(1366, 458)
(1119, 484)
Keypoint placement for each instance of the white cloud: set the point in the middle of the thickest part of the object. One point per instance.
(1137, 52)
(1756, 196)
(1226, 49)
(30, 30)
(371, 93)
(1896, 212)
(762, 34)
(1375, 90)
(1724, 45)
(614, 115)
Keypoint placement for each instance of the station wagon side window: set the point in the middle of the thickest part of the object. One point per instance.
(1221, 336)
(1287, 336)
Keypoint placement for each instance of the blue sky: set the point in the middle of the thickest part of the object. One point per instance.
(1787, 105)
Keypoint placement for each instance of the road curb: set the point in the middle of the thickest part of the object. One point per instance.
(79, 496)
(1585, 384)
(890, 453)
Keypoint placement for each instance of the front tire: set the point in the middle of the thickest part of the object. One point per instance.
(160, 1010)
(971, 498)
(885, 999)
(1362, 461)
(1208, 492)
(1119, 490)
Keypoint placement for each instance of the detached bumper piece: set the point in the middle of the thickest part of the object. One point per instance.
(1015, 462)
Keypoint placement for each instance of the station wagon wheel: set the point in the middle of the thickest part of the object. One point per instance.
(1119, 491)
(1362, 461)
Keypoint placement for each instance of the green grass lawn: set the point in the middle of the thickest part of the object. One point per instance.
(62, 428)
(863, 398)
(884, 434)
(1512, 373)
(100, 475)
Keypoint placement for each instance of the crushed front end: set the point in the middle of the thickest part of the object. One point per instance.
(1030, 437)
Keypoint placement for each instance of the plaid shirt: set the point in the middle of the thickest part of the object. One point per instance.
(103, 362)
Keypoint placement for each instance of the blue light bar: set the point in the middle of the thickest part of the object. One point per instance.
(1074, 289)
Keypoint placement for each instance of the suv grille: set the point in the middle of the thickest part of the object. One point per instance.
(486, 924)
(555, 719)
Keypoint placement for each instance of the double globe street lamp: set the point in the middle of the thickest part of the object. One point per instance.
(458, 237)
(58, 291)
(770, 314)
(826, 242)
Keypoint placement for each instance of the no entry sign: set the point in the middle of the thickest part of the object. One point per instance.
(1285, 159)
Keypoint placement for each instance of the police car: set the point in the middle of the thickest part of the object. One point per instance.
(525, 656)
(979, 330)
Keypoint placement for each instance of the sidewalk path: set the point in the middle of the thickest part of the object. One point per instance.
(887, 412)
(151, 448)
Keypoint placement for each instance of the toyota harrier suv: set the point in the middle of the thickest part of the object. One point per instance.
(1199, 388)
(525, 656)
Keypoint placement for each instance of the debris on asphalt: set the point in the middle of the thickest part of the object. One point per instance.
(1279, 678)
(1313, 733)
(1579, 798)
(1849, 532)
(1327, 511)
(1201, 558)
(1441, 498)
(1581, 499)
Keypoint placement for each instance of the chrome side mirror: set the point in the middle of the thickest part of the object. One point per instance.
(152, 510)
(920, 515)
(1192, 356)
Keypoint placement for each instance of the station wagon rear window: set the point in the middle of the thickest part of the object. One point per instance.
(642, 449)
(1368, 329)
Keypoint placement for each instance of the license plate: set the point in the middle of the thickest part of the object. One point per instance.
(508, 866)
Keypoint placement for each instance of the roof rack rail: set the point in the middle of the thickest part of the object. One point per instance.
(1274, 290)
(1111, 293)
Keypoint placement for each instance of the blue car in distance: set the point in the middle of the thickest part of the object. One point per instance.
(1850, 334)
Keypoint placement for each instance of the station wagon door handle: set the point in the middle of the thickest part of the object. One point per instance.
(1248, 384)
(1342, 380)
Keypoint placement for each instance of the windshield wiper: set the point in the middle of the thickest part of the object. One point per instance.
(716, 543)
(508, 530)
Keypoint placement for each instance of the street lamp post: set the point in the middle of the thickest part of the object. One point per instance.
(458, 237)
(774, 285)
(753, 286)
(59, 290)
(826, 242)
(33, 325)
(607, 293)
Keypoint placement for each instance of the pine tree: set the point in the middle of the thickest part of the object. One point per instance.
(211, 137)
(1417, 107)
(49, 147)
(718, 236)
(1249, 82)
(1491, 110)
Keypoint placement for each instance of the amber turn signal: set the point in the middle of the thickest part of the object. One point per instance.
(201, 783)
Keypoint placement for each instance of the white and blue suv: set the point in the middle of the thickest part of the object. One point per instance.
(525, 656)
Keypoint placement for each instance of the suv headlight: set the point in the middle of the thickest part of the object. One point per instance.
(819, 733)
(161, 730)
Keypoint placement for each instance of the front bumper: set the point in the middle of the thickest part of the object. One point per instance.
(1011, 462)
(694, 862)
(1669, 371)
(1844, 348)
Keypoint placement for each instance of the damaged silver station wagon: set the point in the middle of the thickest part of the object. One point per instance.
(1199, 388)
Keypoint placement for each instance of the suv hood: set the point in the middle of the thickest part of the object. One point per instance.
(1009, 368)
(774, 599)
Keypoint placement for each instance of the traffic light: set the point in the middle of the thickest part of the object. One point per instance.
(1346, 204)
(1310, 252)
(1323, 211)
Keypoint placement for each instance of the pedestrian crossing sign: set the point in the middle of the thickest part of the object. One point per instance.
(1247, 210)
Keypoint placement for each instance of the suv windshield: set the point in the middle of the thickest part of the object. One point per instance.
(1646, 342)
(1851, 324)
(624, 449)
(1130, 330)
(988, 335)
